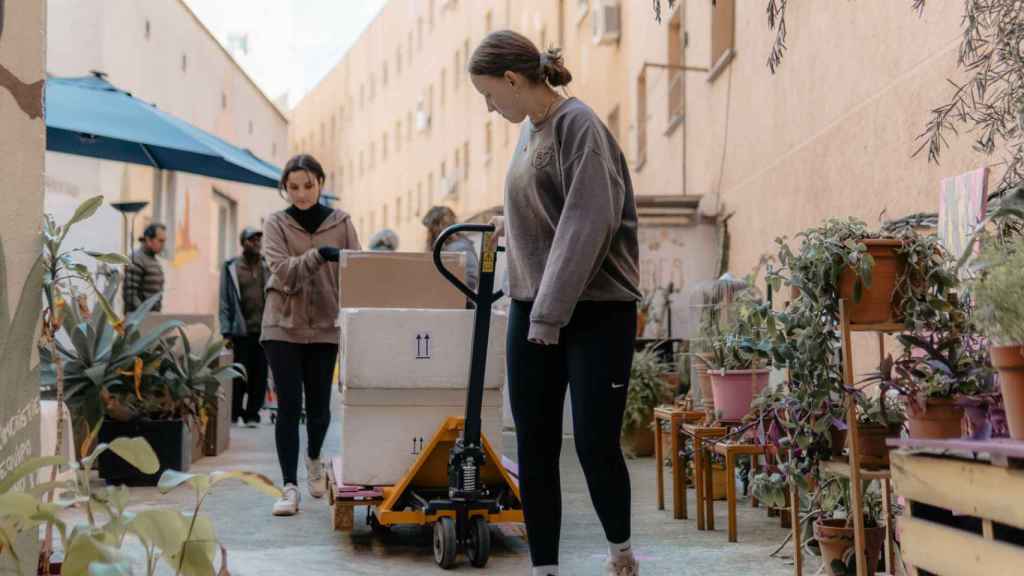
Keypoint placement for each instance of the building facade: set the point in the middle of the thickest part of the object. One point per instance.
(161, 53)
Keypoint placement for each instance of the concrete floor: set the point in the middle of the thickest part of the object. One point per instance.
(260, 544)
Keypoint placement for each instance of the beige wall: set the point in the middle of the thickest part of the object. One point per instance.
(181, 68)
(833, 132)
(22, 141)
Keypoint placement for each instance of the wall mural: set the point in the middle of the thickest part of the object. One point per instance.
(29, 97)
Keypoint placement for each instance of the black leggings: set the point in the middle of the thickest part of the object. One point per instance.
(593, 358)
(249, 393)
(298, 368)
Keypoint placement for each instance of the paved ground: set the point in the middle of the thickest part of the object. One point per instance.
(260, 544)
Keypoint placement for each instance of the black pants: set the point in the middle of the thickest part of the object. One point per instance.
(301, 368)
(249, 394)
(593, 358)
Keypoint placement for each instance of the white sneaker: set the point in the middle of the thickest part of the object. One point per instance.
(316, 477)
(628, 566)
(288, 505)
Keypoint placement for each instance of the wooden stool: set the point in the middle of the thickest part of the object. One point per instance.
(675, 417)
(730, 450)
(698, 434)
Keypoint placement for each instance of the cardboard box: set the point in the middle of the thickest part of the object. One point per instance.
(383, 432)
(404, 348)
(399, 280)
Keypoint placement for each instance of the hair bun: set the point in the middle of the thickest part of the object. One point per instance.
(552, 67)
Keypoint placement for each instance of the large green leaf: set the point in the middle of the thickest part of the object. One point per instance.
(163, 528)
(85, 210)
(257, 481)
(172, 479)
(29, 467)
(198, 552)
(17, 505)
(137, 452)
(86, 549)
(145, 343)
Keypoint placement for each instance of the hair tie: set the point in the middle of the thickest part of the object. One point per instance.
(545, 61)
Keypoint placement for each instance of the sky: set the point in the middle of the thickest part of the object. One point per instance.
(293, 44)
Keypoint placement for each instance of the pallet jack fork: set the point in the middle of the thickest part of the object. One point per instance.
(459, 484)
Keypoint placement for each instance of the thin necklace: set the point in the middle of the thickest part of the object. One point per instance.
(547, 111)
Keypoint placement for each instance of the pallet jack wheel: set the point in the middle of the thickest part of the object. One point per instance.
(378, 529)
(478, 543)
(445, 542)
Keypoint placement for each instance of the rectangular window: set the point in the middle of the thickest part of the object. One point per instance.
(373, 155)
(641, 120)
(675, 76)
(458, 164)
(430, 189)
(384, 74)
(444, 169)
(430, 15)
(227, 228)
(408, 126)
(373, 87)
(384, 148)
(723, 27)
(408, 53)
(398, 136)
(465, 160)
(456, 66)
(419, 33)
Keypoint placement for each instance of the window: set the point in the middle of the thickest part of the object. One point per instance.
(398, 61)
(430, 189)
(223, 100)
(465, 56)
(419, 33)
(384, 148)
(488, 140)
(226, 228)
(398, 136)
(384, 74)
(458, 164)
(251, 127)
(165, 207)
(430, 101)
(148, 29)
(361, 163)
(408, 53)
(465, 160)
(613, 122)
(398, 211)
(273, 148)
(184, 62)
(675, 76)
(384, 216)
(723, 26)
(457, 71)
(444, 169)
(373, 87)
(334, 127)
(444, 84)
(430, 15)
(641, 120)
(373, 155)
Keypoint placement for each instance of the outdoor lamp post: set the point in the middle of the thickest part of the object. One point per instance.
(128, 210)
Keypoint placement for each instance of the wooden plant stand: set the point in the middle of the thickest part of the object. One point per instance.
(698, 434)
(674, 418)
(965, 508)
(730, 451)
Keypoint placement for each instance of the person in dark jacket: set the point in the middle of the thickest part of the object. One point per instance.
(144, 276)
(243, 282)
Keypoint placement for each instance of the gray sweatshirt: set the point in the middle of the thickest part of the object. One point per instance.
(570, 219)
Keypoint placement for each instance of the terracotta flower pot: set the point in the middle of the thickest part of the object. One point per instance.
(639, 442)
(1009, 361)
(706, 394)
(873, 451)
(836, 541)
(734, 390)
(941, 418)
(837, 437)
(878, 303)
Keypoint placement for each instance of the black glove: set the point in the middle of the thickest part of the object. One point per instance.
(329, 253)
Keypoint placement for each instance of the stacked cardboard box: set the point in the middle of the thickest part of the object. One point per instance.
(406, 339)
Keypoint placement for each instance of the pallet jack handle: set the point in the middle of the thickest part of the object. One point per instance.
(487, 260)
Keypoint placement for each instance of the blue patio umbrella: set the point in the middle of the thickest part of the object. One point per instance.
(89, 116)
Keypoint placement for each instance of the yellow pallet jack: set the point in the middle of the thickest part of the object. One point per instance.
(459, 484)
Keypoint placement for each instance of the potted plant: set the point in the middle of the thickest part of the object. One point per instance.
(717, 303)
(739, 359)
(999, 296)
(833, 529)
(646, 391)
(878, 419)
(121, 382)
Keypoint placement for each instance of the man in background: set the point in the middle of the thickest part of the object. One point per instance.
(144, 276)
(243, 282)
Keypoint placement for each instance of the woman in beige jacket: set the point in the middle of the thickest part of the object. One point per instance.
(301, 245)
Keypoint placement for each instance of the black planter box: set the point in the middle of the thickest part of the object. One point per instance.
(170, 439)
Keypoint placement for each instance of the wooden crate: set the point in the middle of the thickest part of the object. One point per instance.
(965, 506)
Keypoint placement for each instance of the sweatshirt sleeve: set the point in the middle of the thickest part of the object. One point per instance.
(287, 272)
(591, 214)
(352, 236)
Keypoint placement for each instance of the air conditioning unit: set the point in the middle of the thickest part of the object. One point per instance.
(449, 185)
(582, 7)
(422, 117)
(606, 21)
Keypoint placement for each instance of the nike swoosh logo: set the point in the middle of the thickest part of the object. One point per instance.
(617, 386)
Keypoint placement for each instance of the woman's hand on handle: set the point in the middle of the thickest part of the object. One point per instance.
(499, 231)
(329, 253)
